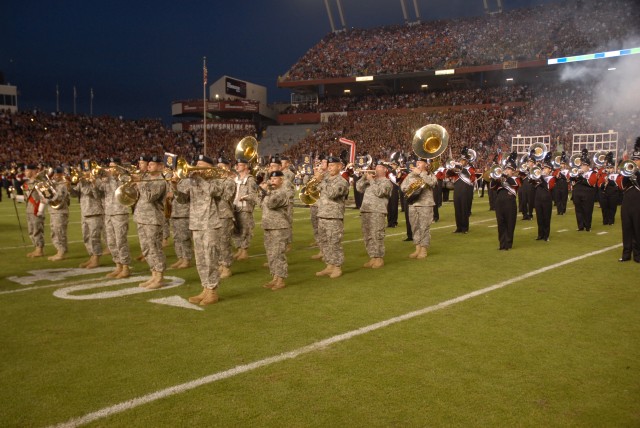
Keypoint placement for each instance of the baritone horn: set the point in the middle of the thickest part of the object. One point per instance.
(183, 170)
(430, 141)
(247, 149)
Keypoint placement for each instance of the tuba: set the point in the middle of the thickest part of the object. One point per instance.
(535, 173)
(247, 150)
(539, 151)
(628, 168)
(556, 161)
(471, 155)
(45, 187)
(600, 158)
(496, 172)
(430, 141)
(575, 160)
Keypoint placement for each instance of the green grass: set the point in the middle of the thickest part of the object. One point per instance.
(561, 348)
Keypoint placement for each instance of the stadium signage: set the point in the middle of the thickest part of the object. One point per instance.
(236, 88)
(589, 57)
(443, 72)
(364, 78)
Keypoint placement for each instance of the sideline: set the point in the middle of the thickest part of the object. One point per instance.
(178, 389)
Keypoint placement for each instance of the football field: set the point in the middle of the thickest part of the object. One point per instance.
(547, 334)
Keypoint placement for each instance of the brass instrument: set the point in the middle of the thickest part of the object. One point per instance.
(535, 172)
(183, 170)
(430, 141)
(364, 171)
(600, 158)
(471, 155)
(44, 185)
(539, 151)
(452, 164)
(247, 150)
(556, 161)
(628, 168)
(309, 193)
(97, 171)
(575, 160)
(496, 172)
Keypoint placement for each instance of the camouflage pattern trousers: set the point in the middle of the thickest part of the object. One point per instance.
(330, 232)
(151, 245)
(204, 246)
(243, 232)
(91, 233)
(35, 227)
(59, 223)
(225, 253)
(421, 219)
(182, 238)
(275, 243)
(314, 221)
(117, 228)
(373, 231)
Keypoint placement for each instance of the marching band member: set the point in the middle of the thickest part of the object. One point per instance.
(609, 192)
(59, 216)
(584, 192)
(394, 199)
(149, 215)
(243, 205)
(543, 202)
(321, 169)
(143, 163)
(376, 189)
(630, 210)
(225, 214)
(506, 188)
(421, 208)
(92, 213)
(334, 189)
(275, 223)
(463, 177)
(562, 185)
(204, 223)
(35, 211)
(290, 187)
(181, 233)
(116, 221)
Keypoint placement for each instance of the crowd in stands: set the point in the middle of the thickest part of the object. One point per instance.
(562, 28)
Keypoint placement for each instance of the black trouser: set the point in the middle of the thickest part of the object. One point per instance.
(405, 207)
(523, 198)
(609, 200)
(462, 197)
(531, 204)
(561, 194)
(630, 216)
(506, 214)
(492, 199)
(543, 206)
(584, 197)
(392, 207)
(357, 196)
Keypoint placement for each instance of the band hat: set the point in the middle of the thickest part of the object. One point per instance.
(510, 164)
(205, 158)
(276, 174)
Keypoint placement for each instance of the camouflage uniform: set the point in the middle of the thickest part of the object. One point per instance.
(149, 215)
(421, 211)
(180, 222)
(373, 213)
(92, 216)
(116, 221)
(59, 218)
(204, 224)
(225, 214)
(314, 212)
(333, 192)
(276, 227)
(35, 213)
(243, 210)
(290, 187)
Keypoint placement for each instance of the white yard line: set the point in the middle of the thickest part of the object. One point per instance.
(244, 368)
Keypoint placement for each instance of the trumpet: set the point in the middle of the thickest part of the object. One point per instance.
(183, 170)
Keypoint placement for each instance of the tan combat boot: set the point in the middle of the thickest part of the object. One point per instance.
(377, 263)
(210, 297)
(185, 264)
(58, 256)
(236, 254)
(36, 253)
(176, 264)
(318, 256)
(243, 255)
(148, 281)
(279, 284)
(336, 272)
(116, 272)
(225, 272)
(197, 299)
(157, 282)
(125, 272)
(85, 264)
(415, 253)
(326, 271)
(369, 263)
(422, 254)
(94, 262)
(270, 283)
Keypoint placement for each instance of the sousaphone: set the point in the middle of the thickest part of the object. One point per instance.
(430, 141)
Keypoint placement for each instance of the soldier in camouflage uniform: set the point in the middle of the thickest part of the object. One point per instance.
(290, 187)
(334, 190)
(181, 233)
(149, 215)
(205, 226)
(59, 216)
(243, 206)
(322, 168)
(275, 202)
(35, 211)
(421, 209)
(116, 221)
(225, 213)
(92, 216)
(377, 189)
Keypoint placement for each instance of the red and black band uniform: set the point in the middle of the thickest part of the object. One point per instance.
(609, 197)
(543, 204)
(506, 208)
(463, 179)
(584, 197)
(630, 216)
(561, 190)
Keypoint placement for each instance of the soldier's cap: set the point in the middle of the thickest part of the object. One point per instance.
(156, 158)
(333, 159)
(59, 170)
(205, 158)
(31, 166)
(242, 160)
(275, 159)
(276, 174)
(223, 160)
(284, 157)
(144, 158)
(423, 160)
(113, 160)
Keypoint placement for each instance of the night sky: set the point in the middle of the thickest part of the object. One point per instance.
(140, 56)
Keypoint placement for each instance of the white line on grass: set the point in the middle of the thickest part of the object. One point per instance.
(244, 368)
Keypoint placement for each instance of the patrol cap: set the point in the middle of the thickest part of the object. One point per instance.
(156, 158)
(205, 158)
(275, 159)
(333, 159)
(113, 160)
(223, 160)
(31, 166)
(284, 157)
(276, 174)
(242, 160)
(144, 158)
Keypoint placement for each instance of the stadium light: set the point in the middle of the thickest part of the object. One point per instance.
(347, 91)
(424, 86)
(509, 79)
(611, 69)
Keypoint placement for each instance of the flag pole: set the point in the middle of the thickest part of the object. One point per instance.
(91, 104)
(57, 99)
(204, 100)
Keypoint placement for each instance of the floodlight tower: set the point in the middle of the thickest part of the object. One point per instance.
(330, 15)
(404, 11)
(497, 10)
